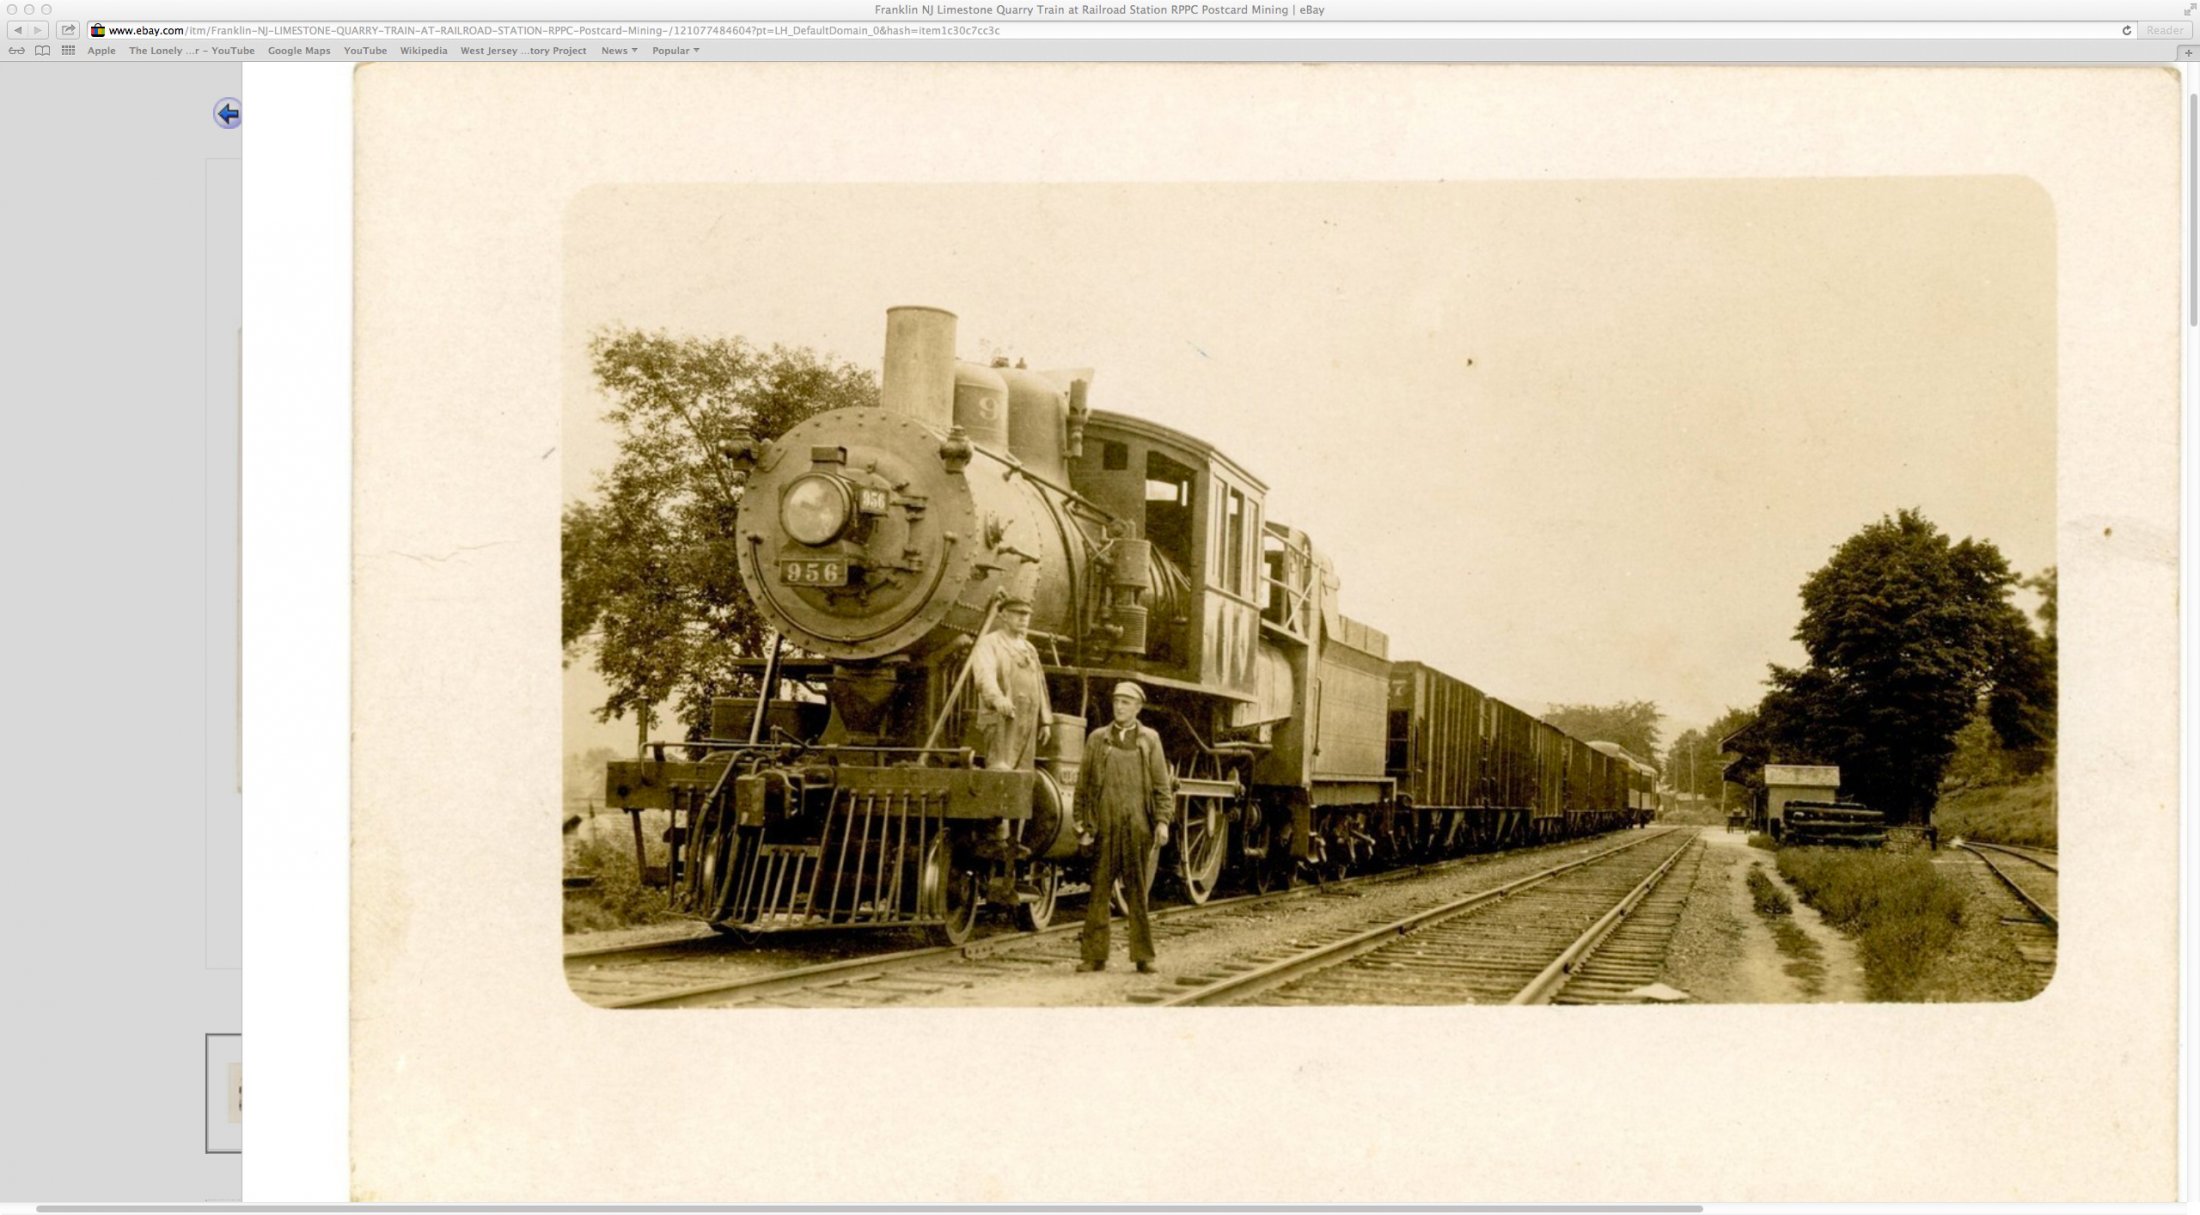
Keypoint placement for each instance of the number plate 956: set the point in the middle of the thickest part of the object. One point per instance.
(813, 573)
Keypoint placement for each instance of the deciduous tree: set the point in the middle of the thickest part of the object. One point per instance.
(2022, 705)
(650, 584)
(1904, 630)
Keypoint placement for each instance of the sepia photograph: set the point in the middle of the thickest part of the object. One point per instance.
(1553, 606)
(1190, 594)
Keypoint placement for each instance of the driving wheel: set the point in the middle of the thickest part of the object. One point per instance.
(1260, 843)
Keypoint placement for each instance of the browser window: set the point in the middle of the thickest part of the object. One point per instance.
(1539, 562)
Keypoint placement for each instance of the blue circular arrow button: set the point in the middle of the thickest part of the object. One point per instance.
(229, 112)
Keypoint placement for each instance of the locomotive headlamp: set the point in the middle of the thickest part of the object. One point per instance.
(816, 509)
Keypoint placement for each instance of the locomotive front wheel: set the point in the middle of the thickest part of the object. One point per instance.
(710, 876)
(1039, 912)
(949, 893)
(1201, 846)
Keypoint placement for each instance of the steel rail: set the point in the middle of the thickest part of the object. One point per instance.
(799, 976)
(2022, 854)
(998, 943)
(849, 968)
(2047, 917)
(667, 943)
(1277, 973)
(983, 947)
(1547, 982)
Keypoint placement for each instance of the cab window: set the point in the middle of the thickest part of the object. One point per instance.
(1234, 518)
(1169, 519)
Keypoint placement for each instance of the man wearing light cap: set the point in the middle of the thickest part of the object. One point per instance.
(1012, 690)
(1125, 795)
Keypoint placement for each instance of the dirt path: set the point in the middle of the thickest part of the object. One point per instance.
(1726, 952)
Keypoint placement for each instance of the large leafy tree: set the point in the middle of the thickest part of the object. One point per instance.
(1632, 724)
(650, 584)
(2011, 734)
(2021, 707)
(1905, 631)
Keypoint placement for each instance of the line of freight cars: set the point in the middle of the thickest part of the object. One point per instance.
(1474, 773)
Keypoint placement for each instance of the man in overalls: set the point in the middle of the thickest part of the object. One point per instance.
(1125, 797)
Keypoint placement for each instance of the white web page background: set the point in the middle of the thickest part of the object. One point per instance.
(297, 597)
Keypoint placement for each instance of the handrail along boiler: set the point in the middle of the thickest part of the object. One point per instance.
(879, 542)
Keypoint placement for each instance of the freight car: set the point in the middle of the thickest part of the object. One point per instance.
(1477, 773)
(881, 541)
(1642, 783)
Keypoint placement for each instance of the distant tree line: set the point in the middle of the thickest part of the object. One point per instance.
(1632, 724)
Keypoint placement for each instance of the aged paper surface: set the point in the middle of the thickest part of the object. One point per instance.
(477, 1075)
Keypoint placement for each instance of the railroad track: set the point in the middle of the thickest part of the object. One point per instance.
(2023, 886)
(2045, 858)
(1525, 942)
(2031, 879)
(695, 937)
(615, 976)
(1634, 955)
(691, 970)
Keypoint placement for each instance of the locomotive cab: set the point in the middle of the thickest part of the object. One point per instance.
(1201, 513)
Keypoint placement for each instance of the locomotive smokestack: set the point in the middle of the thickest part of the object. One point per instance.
(919, 371)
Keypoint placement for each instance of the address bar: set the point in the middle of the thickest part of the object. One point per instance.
(1011, 20)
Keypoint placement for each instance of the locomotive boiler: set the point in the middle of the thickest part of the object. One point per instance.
(880, 542)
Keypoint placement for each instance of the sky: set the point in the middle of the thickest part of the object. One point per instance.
(1572, 442)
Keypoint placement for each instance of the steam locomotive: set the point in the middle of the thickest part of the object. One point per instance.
(880, 542)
